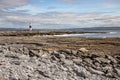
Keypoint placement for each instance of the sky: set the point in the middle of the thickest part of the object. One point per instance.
(58, 14)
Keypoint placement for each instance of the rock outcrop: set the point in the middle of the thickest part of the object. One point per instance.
(20, 63)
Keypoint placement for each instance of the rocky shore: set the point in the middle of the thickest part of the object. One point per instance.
(18, 62)
(41, 33)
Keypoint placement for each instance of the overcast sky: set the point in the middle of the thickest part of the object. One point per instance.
(56, 14)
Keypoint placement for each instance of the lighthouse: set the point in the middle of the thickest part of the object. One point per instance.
(30, 27)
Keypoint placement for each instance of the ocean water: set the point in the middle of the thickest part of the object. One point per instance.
(108, 34)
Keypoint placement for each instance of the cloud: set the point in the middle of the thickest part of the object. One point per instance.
(114, 1)
(12, 3)
(108, 21)
(70, 1)
(107, 3)
(11, 15)
(111, 3)
(58, 20)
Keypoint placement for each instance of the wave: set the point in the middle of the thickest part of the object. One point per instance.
(113, 32)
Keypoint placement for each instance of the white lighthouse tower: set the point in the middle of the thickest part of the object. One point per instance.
(30, 27)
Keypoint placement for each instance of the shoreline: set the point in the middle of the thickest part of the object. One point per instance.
(45, 32)
(100, 46)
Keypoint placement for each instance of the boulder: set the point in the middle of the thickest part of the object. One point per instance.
(45, 56)
(2, 76)
(53, 57)
(117, 71)
(113, 60)
(81, 72)
(77, 61)
(40, 52)
(16, 62)
(62, 56)
(44, 53)
(12, 55)
(25, 51)
(16, 48)
(93, 56)
(67, 52)
(102, 60)
(108, 70)
(74, 52)
(82, 54)
(97, 64)
(18, 73)
(68, 62)
(88, 61)
(95, 71)
(33, 53)
(84, 50)
(55, 65)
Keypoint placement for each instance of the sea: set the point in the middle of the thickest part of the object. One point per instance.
(105, 32)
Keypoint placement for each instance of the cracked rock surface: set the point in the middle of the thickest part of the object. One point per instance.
(20, 63)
